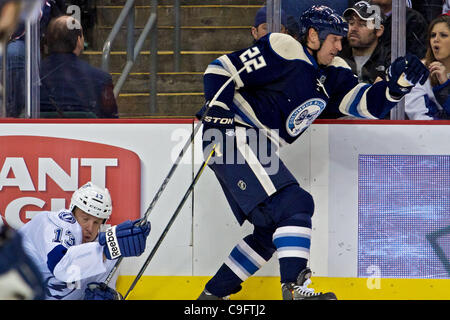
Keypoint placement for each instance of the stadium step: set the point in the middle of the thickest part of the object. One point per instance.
(191, 61)
(178, 104)
(190, 15)
(209, 29)
(192, 38)
(167, 82)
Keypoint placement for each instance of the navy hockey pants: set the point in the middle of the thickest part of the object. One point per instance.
(260, 189)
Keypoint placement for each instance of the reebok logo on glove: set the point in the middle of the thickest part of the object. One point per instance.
(126, 239)
(111, 243)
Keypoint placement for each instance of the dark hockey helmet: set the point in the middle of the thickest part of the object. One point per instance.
(324, 20)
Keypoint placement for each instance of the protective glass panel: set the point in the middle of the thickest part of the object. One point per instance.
(149, 56)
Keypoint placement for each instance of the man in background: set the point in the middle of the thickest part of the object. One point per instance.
(70, 87)
(259, 28)
(362, 51)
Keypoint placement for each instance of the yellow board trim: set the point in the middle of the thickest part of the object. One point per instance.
(268, 288)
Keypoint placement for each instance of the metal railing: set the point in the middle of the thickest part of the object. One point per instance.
(177, 37)
(134, 49)
(398, 47)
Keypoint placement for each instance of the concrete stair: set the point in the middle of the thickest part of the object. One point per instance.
(208, 29)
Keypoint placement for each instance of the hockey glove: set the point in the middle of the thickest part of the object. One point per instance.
(101, 291)
(404, 73)
(126, 239)
(218, 117)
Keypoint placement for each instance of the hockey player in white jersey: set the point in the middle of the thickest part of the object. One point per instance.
(72, 252)
(283, 87)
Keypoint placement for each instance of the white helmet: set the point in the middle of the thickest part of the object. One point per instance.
(93, 200)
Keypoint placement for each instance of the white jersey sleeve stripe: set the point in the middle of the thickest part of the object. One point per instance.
(362, 107)
(354, 102)
(228, 65)
(218, 70)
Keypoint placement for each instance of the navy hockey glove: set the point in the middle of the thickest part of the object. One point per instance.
(101, 291)
(218, 117)
(404, 73)
(125, 239)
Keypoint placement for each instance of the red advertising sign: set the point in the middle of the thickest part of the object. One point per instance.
(41, 173)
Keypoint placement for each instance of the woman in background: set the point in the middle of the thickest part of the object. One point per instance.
(431, 100)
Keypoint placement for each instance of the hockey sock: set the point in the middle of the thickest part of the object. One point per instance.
(292, 243)
(244, 260)
(224, 282)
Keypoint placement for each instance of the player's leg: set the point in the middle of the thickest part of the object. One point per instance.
(247, 257)
(247, 183)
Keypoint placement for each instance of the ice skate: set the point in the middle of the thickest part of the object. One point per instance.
(205, 295)
(299, 290)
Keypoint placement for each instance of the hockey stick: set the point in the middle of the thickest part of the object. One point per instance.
(171, 221)
(175, 165)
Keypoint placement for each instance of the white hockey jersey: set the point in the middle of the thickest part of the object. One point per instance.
(54, 242)
(421, 103)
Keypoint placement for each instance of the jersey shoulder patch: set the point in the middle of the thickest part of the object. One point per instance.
(67, 216)
(287, 47)
(62, 218)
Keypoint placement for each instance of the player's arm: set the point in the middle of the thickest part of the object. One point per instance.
(375, 101)
(70, 263)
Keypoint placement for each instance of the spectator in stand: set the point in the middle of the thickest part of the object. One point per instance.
(362, 50)
(445, 6)
(259, 28)
(431, 101)
(416, 27)
(15, 68)
(70, 87)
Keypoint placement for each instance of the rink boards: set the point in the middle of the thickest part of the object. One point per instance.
(381, 192)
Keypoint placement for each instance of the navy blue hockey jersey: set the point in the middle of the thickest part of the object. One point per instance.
(282, 88)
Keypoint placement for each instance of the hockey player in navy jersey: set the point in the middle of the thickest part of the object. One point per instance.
(20, 279)
(71, 251)
(279, 87)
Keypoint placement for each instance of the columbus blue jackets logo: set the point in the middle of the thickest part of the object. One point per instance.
(302, 116)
